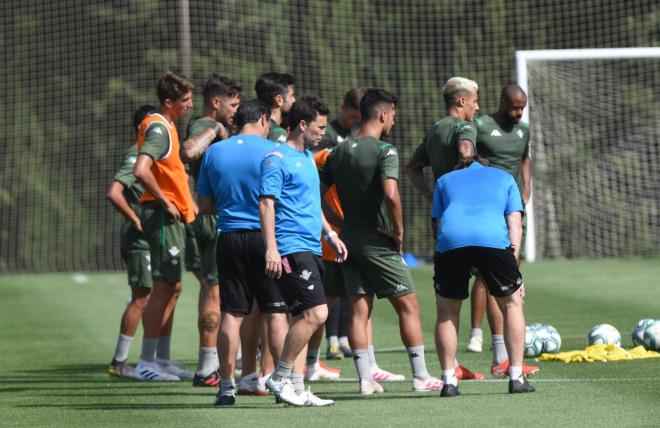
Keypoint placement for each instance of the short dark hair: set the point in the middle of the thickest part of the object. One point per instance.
(173, 86)
(220, 86)
(464, 163)
(372, 100)
(250, 111)
(307, 109)
(140, 113)
(270, 85)
(353, 98)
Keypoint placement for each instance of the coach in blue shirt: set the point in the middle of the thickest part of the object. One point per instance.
(292, 223)
(477, 214)
(228, 184)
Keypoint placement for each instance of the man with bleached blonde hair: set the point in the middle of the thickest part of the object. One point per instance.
(450, 140)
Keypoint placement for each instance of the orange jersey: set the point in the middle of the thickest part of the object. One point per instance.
(332, 199)
(169, 171)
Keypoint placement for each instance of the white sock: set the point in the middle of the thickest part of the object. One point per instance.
(417, 362)
(499, 348)
(515, 372)
(449, 377)
(372, 357)
(343, 342)
(333, 341)
(208, 361)
(476, 332)
(122, 348)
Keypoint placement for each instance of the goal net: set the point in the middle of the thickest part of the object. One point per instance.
(594, 118)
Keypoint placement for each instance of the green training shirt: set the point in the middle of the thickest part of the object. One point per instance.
(504, 149)
(440, 146)
(196, 127)
(277, 133)
(357, 168)
(335, 134)
(132, 187)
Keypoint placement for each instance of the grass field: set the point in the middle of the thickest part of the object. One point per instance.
(57, 334)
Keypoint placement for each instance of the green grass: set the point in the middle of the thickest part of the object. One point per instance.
(57, 336)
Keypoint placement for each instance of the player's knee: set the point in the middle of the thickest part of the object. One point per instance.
(210, 321)
(317, 315)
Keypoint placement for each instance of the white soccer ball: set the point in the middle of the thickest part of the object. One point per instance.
(533, 343)
(552, 343)
(536, 326)
(638, 331)
(652, 336)
(604, 334)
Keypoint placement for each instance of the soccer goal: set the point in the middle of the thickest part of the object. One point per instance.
(594, 117)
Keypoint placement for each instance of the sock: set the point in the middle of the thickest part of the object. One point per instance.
(499, 348)
(476, 332)
(163, 352)
(227, 386)
(343, 342)
(149, 350)
(312, 356)
(372, 357)
(123, 345)
(417, 362)
(515, 372)
(449, 377)
(297, 380)
(207, 362)
(281, 371)
(332, 341)
(362, 364)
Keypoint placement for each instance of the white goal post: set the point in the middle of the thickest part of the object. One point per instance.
(523, 58)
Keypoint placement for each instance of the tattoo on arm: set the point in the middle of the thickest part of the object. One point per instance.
(193, 148)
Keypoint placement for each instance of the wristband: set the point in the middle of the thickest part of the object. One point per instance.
(330, 235)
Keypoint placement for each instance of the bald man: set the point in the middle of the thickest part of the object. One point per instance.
(504, 142)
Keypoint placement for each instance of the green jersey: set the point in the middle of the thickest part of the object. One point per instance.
(334, 134)
(132, 187)
(504, 149)
(357, 168)
(131, 239)
(196, 127)
(277, 133)
(440, 146)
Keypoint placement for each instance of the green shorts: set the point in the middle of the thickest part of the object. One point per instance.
(385, 275)
(135, 253)
(167, 242)
(201, 243)
(333, 279)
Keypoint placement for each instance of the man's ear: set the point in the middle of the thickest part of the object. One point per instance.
(215, 102)
(279, 100)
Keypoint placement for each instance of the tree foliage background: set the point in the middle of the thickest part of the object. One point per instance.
(73, 71)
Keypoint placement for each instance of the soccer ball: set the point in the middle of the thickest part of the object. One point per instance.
(604, 334)
(638, 331)
(652, 336)
(533, 343)
(536, 326)
(552, 344)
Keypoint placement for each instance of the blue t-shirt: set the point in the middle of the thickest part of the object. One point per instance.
(471, 205)
(291, 177)
(230, 174)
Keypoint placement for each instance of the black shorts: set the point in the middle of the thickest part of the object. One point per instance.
(301, 281)
(242, 274)
(498, 268)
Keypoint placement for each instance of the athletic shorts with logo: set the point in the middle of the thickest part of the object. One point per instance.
(301, 282)
(201, 236)
(242, 274)
(333, 279)
(497, 266)
(135, 253)
(383, 273)
(167, 242)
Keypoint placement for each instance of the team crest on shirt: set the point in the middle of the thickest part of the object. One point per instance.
(520, 133)
(390, 152)
(281, 138)
(305, 274)
(174, 251)
(496, 133)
